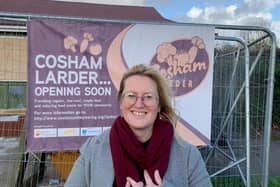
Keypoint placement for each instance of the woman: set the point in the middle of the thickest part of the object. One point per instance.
(141, 149)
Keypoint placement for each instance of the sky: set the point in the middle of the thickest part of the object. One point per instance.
(264, 13)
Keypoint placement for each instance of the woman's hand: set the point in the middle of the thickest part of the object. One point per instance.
(149, 182)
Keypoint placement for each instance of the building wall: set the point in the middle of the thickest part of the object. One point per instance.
(13, 58)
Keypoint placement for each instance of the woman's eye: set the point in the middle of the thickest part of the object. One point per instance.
(148, 97)
(131, 96)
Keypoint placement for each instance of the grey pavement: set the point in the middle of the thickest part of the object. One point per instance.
(274, 160)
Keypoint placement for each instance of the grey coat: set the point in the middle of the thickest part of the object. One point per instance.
(94, 167)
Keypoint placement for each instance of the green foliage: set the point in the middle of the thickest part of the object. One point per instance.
(274, 181)
(276, 97)
(237, 181)
(227, 181)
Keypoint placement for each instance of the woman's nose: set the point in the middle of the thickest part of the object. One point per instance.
(139, 102)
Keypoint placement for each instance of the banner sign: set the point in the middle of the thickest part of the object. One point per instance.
(75, 67)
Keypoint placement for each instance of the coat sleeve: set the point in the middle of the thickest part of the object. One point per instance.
(198, 175)
(79, 175)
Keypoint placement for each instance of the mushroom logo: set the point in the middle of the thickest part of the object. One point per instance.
(183, 62)
(87, 44)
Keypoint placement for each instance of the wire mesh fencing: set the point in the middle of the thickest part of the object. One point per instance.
(240, 129)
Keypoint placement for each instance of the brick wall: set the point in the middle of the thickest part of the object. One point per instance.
(12, 128)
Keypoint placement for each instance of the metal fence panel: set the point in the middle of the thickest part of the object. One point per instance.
(229, 159)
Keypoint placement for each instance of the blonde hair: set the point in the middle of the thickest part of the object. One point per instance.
(166, 110)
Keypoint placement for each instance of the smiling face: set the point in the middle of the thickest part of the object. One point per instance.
(139, 105)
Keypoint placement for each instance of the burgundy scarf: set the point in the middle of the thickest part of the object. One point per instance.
(131, 157)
